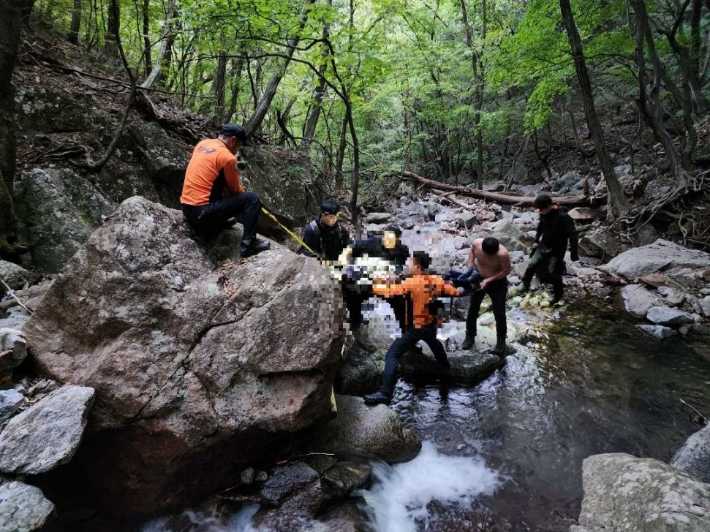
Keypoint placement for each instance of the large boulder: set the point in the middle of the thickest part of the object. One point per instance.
(57, 210)
(374, 432)
(661, 255)
(622, 492)
(23, 508)
(197, 372)
(694, 456)
(599, 243)
(47, 434)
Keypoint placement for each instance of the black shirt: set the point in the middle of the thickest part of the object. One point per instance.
(327, 242)
(555, 229)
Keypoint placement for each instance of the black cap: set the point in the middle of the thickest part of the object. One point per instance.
(234, 130)
(543, 202)
(329, 207)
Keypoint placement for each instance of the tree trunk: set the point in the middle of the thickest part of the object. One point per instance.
(13, 16)
(575, 133)
(75, 23)
(236, 74)
(147, 59)
(113, 28)
(618, 203)
(261, 109)
(166, 47)
(339, 179)
(219, 84)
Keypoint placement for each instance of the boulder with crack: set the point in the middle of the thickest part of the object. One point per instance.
(198, 373)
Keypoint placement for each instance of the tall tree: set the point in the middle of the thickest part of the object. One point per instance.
(618, 203)
(75, 22)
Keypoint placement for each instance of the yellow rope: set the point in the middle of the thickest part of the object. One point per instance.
(290, 233)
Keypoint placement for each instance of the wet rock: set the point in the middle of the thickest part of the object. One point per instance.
(622, 492)
(14, 275)
(638, 300)
(705, 306)
(188, 363)
(344, 477)
(57, 210)
(700, 329)
(361, 371)
(599, 243)
(10, 402)
(694, 456)
(47, 434)
(660, 255)
(659, 332)
(663, 315)
(287, 479)
(14, 341)
(362, 430)
(23, 508)
(378, 217)
(671, 296)
(466, 366)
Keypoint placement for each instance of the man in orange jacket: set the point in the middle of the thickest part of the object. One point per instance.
(423, 289)
(212, 168)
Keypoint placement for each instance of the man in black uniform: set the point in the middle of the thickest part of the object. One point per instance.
(325, 234)
(554, 230)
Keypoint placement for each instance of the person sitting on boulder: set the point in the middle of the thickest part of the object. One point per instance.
(325, 234)
(554, 230)
(423, 290)
(212, 168)
(492, 260)
(390, 248)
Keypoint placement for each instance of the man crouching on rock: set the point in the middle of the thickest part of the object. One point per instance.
(423, 289)
(212, 167)
(493, 263)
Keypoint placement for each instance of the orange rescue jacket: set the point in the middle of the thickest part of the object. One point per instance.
(211, 167)
(422, 289)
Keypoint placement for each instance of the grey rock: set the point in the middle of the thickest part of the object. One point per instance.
(15, 318)
(58, 210)
(10, 402)
(15, 276)
(659, 332)
(47, 434)
(361, 371)
(671, 296)
(622, 492)
(23, 508)
(284, 480)
(247, 476)
(638, 300)
(668, 316)
(14, 340)
(584, 214)
(187, 362)
(686, 277)
(660, 255)
(599, 243)
(466, 366)
(378, 217)
(370, 431)
(694, 456)
(517, 256)
(705, 306)
(261, 477)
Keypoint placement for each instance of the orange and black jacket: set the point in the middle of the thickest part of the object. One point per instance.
(422, 289)
(211, 168)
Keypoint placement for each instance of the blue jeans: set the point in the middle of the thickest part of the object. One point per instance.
(466, 279)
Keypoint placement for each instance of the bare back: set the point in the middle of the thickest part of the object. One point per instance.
(489, 265)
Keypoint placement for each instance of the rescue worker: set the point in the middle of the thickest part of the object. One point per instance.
(493, 264)
(211, 170)
(390, 248)
(423, 290)
(554, 230)
(325, 234)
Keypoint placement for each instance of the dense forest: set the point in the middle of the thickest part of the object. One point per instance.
(458, 91)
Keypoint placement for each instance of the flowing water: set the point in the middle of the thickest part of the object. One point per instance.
(506, 454)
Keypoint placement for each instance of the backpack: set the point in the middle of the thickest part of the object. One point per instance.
(316, 231)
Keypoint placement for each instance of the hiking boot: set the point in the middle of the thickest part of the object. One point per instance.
(500, 348)
(377, 398)
(468, 341)
(255, 246)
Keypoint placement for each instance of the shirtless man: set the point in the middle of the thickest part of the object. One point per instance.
(493, 263)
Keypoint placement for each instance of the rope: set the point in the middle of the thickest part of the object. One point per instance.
(290, 233)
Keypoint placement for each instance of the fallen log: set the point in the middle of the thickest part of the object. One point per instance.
(505, 199)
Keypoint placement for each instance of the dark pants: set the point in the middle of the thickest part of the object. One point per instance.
(354, 300)
(403, 344)
(550, 268)
(211, 218)
(497, 291)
